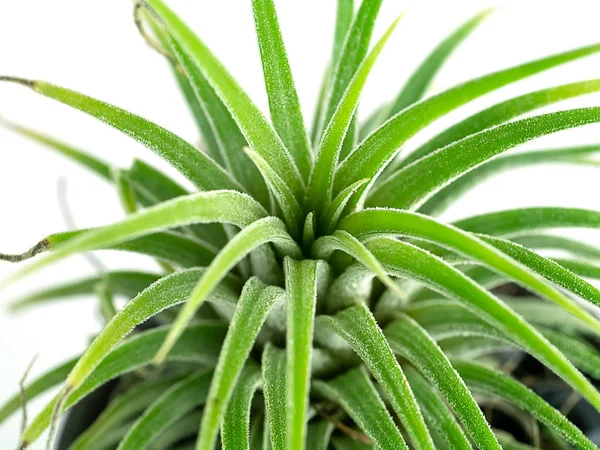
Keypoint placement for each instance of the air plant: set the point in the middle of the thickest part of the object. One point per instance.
(309, 297)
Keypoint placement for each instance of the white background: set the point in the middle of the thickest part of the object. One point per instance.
(94, 47)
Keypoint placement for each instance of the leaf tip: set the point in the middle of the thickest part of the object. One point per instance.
(22, 81)
(40, 247)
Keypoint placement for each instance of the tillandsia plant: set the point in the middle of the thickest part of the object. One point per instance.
(309, 296)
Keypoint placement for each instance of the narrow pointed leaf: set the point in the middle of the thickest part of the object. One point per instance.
(345, 242)
(335, 210)
(259, 134)
(175, 403)
(549, 269)
(359, 328)
(274, 368)
(354, 50)
(202, 171)
(183, 429)
(436, 412)
(321, 178)
(121, 409)
(399, 258)
(199, 344)
(235, 431)
(444, 198)
(343, 22)
(216, 206)
(409, 340)
(290, 207)
(283, 98)
(255, 303)
(94, 164)
(301, 288)
(513, 222)
(360, 399)
(375, 152)
(167, 292)
(547, 241)
(500, 113)
(153, 186)
(583, 354)
(229, 138)
(495, 383)
(412, 185)
(267, 230)
(125, 283)
(581, 268)
(389, 221)
(420, 80)
(319, 434)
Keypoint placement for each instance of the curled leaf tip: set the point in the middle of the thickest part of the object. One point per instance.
(40, 247)
(23, 81)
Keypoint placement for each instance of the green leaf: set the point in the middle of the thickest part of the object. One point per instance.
(551, 270)
(349, 443)
(500, 113)
(343, 22)
(259, 134)
(121, 409)
(318, 435)
(202, 171)
(514, 222)
(389, 221)
(292, 213)
(359, 328)
(301, 288)
(412, 342)
(581, 268)
(444, 198)
(216, 206)
(229, 138)
(274, 368)
(166, 246)
(355, 48)
(416, 86)
(335, 210)
(165, 293)
(411, 186)
(283, 98)
(153, 186)
(194, 102)
(199, 344)
(547, 241)
(345, 242)
(43, 383)
(436, 413)
(399, 258)
(495, 383)
(254, 304)
(582, 353)
(267, 230)
(176, 402)
(81, 157)
(235, 430)
(125, 283)
(321, 178)
(360, 399)
(183, 429)
(375, 152)
(125, 190)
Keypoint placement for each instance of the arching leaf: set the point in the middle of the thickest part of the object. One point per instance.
(359, 328)
(252, 309)
(359, 398)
